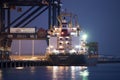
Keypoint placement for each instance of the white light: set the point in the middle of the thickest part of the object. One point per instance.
(56, 29)
(48, 36)
(73, 68)
(74, 28)
(73, 33)
(60, 46)
(67, 37)
(67, 42)
(72, 51)
(55, 2)
(77, 46)
(19, 68)
(84, 36)
(51, 46)
(84, 73)
(57, 33)
(55, 51)
(61, 42)
(55, 70)
(61, 4)
(60, 37)
(64, 21)
(62, 51)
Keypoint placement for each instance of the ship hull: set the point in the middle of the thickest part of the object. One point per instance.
(68, 59)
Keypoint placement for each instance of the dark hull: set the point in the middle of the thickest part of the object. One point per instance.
(68, 59)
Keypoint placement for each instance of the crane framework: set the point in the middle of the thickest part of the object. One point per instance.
(34, 10)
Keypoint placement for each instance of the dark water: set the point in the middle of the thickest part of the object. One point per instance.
(99, 72)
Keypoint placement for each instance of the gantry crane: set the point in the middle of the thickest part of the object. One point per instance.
(36, 8)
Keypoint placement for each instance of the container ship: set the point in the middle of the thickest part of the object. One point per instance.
(67, 42)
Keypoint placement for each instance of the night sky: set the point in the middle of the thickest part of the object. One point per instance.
(99, 18)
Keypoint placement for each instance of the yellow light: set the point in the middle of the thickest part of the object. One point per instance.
(1, 48)
(67, 42)
(51, 46)
(60, 46)
(8, 49)
(61, 42)
(62, 51)
(19, 68)
(57, 33)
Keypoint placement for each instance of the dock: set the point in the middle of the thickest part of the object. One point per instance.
(21, 63)
(108, 60)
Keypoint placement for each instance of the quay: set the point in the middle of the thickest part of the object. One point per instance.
(100, 62)
(108, 60)
(25, 61)
(29, 63)
(21, 63)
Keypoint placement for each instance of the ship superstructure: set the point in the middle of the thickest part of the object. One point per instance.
(66, 40)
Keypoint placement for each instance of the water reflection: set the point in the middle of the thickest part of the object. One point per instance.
(45, 73)
(69, 73)
(101, 72)
(32, 70)
(0, 74)
(84, 73)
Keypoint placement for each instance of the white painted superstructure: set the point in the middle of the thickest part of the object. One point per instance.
(66, 38)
